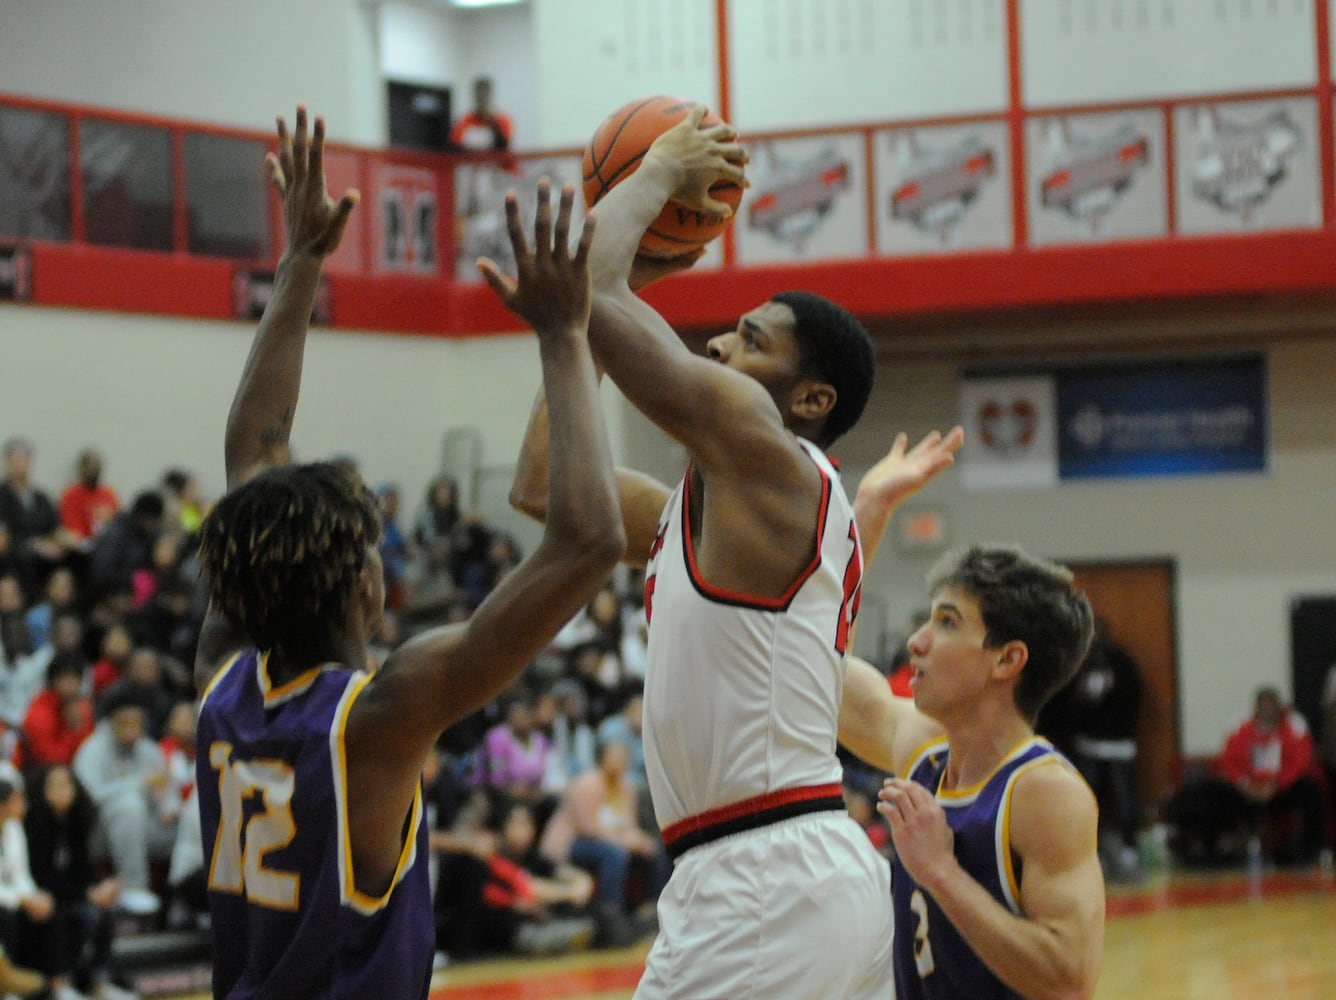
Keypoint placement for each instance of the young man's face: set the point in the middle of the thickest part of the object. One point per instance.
(127, 726)
(765, 347)
(951, 666)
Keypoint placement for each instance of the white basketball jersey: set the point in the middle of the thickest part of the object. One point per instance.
(742, 694)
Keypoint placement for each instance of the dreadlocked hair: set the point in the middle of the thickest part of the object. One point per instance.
(283, 552)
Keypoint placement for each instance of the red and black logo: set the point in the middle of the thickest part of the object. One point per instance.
(15, 273)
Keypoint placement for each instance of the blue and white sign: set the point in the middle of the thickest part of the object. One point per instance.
(1162, 419)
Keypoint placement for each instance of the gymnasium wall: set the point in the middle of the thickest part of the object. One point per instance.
(151, 391)
(230, 62)
(1244, 545)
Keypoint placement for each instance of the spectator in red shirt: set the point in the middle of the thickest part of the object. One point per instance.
(484, 129)
(87, 505)
(529, 903)
(60, 718)
(110, 667)
(1269, 762)
(178, 747)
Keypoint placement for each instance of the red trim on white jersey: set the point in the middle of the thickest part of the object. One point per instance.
(780, 603)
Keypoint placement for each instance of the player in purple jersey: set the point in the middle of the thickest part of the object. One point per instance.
(997, 885)
(308, 764)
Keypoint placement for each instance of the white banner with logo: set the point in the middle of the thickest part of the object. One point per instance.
(1010, 432)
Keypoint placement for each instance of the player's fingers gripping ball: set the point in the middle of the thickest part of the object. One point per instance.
(615, 152)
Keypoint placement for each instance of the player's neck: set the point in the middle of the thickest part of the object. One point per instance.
(977, 748)
(285, 665)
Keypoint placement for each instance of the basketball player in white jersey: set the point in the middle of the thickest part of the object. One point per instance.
(752, 585)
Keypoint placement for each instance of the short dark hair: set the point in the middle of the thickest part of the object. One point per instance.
(1026, 598)
(120, 696)
(175, 480)
(67, 663)
(283, 552)
(148, 505)
(834, 348)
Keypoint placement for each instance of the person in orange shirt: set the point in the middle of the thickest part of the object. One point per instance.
(484, 129)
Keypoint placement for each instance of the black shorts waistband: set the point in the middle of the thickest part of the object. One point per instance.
(750, 814)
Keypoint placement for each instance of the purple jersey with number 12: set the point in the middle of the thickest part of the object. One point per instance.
(287, 919)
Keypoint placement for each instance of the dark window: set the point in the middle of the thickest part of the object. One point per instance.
(227, 191)
(127, 184)
(419, 117)
(34, 174)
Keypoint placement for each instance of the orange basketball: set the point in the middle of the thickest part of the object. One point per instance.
(615, 152)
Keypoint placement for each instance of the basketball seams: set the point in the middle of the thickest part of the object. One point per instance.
(598, 161)
(634, 127)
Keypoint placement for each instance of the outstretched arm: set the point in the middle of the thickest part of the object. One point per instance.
(875, 726)
(260, 420)
(441, 676)
(640, 497)
(725, 419)
(901, 473)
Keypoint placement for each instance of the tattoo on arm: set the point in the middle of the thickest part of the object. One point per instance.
(277, 433)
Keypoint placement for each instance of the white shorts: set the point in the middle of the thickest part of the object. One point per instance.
(798, 910)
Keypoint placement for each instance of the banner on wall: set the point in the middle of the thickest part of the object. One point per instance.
(1163, 419)
(480, 207)
(1038, 429)
(807, 200)
(1093, 178)
(15, 273)
(1010, 435)
(942, 189)
(1248, 165)
(406, 220)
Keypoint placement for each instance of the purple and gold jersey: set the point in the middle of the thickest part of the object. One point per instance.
(932, 960)
(288, 921)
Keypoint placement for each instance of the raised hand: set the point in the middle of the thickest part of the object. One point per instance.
(552, 289)
(314, 221)
(698, 158)
(903, 471)
(922, 837)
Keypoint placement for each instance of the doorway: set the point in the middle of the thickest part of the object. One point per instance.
(1136, 599)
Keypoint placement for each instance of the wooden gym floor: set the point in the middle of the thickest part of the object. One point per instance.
(1178, 936)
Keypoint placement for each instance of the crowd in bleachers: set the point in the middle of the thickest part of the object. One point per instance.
(543, 836)
(100, 607)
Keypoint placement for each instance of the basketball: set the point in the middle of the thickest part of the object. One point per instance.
(615, 152)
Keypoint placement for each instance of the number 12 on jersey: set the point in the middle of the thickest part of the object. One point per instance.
(239, 868)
